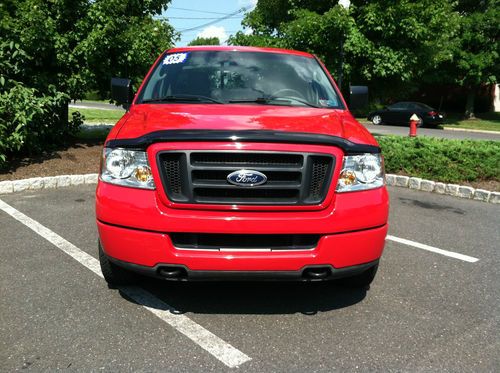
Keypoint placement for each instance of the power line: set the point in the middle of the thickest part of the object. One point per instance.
(227, 31)
(199, 11)
(216, 21)
(167, 17)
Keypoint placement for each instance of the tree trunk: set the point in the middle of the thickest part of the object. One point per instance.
(469, 104)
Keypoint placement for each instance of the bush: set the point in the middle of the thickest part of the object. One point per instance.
(443, 160)
(31, 123)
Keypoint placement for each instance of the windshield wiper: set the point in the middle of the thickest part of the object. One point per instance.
(268, 100)
(177, 98)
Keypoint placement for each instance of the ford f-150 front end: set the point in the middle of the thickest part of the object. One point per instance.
(240, 163)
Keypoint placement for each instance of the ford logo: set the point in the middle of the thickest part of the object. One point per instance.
(246, 178)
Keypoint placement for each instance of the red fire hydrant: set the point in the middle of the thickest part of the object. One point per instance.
(414, 119)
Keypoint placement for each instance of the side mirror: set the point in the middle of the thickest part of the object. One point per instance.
(121, 91)
(358, 98)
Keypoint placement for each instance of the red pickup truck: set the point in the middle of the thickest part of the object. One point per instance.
(240, 163)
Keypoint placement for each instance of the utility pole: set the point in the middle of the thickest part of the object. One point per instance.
(344, 4)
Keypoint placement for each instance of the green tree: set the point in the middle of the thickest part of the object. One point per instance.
(79, 45)
(54, 51)
(205, 41)
(389, 44)
(476, 58)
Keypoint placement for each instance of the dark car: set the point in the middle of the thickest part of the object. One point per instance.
(400, 113)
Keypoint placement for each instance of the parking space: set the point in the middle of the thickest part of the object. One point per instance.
(425, 311)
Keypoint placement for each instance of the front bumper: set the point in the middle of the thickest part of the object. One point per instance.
(435, 120)
(151, 249)
(135, 224)
(183, 273)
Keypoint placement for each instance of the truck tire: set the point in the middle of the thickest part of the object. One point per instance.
(113, 274)
(363, 280)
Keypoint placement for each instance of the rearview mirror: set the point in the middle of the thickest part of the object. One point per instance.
(358, 98)
(122, 92)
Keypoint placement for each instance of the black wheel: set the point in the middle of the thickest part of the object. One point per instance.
(377, 119)
(362, 280)
(113, 274)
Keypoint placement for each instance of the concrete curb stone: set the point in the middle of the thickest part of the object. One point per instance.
(465, 192)
(452, 189)
(482, 195)
(21, 185)
(427, 185)
(402, 181)
(494, 197)
(390, 179)
(415, 183)
(63, 181)
(440, 188)
(6, 187)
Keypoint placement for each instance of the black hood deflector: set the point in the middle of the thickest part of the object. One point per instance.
(267, 136)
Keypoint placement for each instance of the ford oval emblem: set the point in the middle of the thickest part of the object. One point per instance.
(246, 178)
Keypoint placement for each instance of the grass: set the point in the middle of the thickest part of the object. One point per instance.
(484, 122)
(99, 115)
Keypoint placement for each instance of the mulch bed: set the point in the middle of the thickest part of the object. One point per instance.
(77, 158)
(84, 158)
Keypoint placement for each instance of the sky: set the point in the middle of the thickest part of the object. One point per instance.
(194, 14)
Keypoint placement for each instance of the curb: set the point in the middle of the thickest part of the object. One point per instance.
(470, 130)
(95, 126)
(416, 183)
(454, 190)
(50, 182)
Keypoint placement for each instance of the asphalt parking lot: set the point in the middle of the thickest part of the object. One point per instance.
(429, 309)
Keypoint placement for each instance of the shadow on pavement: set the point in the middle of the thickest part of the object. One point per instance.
(252, 297)
(431, 205)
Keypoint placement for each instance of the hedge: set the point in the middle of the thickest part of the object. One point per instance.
(32, 123)
(445, 160)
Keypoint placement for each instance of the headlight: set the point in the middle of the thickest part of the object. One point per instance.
(126, 167)
(361, 172)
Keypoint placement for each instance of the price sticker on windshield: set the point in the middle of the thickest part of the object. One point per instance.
(175, 58)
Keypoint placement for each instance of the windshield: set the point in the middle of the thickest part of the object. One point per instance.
(240, 77)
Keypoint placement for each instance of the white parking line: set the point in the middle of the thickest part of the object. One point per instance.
(220, 349)
(422, 246)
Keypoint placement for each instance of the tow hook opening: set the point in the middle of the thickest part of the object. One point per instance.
(172, 273)
(316, 273)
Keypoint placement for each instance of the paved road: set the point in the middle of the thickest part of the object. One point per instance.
(432, 132)
(95, 105)
(424, 312)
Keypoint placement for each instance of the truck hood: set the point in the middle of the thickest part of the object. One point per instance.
(145, 118)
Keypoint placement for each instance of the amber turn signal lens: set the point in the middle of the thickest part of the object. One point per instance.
(347, 177)
(143, 173)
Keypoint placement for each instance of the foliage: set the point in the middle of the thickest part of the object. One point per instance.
(388, 44)
(79, 45)
(54, 51)
(444, 160)
(476, 58)
(205, 41)
(391, 45)
(30, 122)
